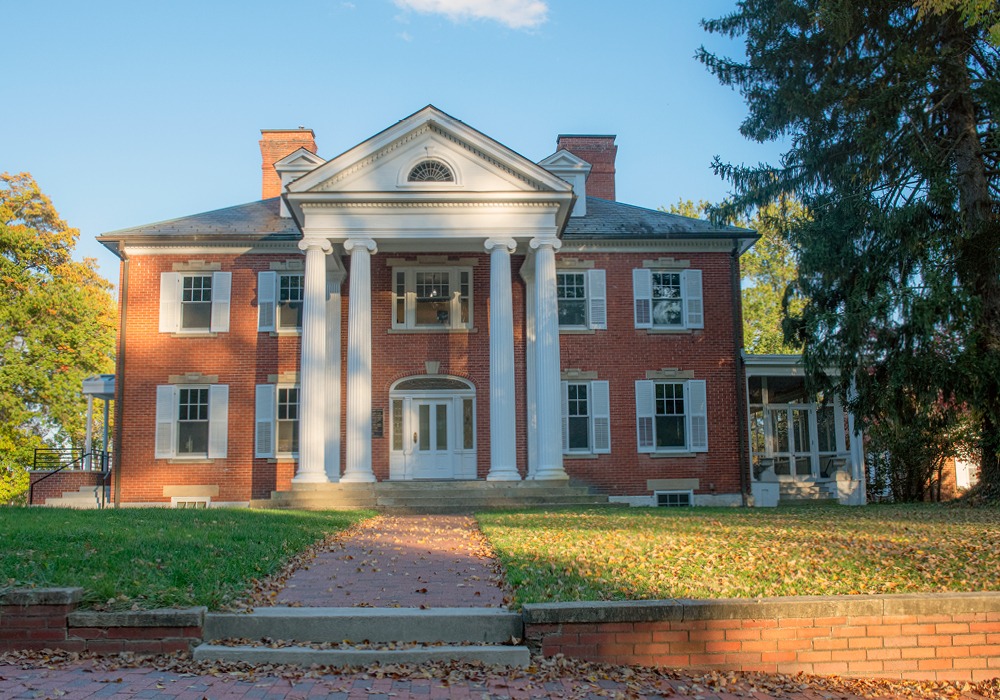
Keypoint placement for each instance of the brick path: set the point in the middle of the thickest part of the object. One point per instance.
(435, 561)
(81, 680)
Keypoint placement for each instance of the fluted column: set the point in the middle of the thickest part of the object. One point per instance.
(547, 360)
(333, 320)
(359, 362)
(503, 453)
(312, 394)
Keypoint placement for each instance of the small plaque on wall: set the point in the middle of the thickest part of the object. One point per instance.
(377, 423)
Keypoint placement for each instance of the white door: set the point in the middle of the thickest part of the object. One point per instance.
(432, 448)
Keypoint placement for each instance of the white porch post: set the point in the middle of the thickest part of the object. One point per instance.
(312, 394)
(359, 362)
(334, 279)
(88, 441)
(547, 360)
(503, 452)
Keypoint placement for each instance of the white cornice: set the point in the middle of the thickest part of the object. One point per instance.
(228, 248)
(636, 245)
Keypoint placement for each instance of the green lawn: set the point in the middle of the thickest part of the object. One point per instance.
(155, 557)
(621, 554)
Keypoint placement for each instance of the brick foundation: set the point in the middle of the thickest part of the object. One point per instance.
(46, 618)
(920, 637)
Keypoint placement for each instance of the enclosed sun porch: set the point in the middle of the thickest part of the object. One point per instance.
(803, 445)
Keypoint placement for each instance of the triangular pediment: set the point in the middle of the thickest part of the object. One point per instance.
(298, 159)
(564, 160)
(383, 163)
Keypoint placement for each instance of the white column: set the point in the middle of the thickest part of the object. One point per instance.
(547, 360)
(503, 452)
(359, 362)
(530, 356)
(312, 394)
(334, 278)
(88, 441)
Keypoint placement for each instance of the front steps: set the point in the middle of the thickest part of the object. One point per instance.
(807, 491)
(362, 636)
(86, 498)
(432, 497)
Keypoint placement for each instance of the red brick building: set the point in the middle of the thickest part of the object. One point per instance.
(431, 305)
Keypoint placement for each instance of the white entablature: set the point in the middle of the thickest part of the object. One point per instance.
(489, 189)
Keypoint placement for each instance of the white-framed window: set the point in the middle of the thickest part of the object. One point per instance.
(195, 302)
(583, 301)
(279, 300)
(671, 415)
(277, 420)
(192, 421)
(586, 417)
(674, 499)
(432, 298)
(668, 299)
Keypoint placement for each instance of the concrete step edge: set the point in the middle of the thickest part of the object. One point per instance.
(511, 656)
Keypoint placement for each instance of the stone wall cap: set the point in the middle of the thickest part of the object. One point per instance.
(40, 596)
(679, 609)
(163, 617)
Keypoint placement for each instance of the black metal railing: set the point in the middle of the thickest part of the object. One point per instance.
(57, 460)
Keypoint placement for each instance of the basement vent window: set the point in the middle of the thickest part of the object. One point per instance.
(190, 502)
(674, 499)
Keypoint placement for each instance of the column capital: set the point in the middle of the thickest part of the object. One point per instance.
(322, 244)
(351, 244)
(537, 243)
(509, 243)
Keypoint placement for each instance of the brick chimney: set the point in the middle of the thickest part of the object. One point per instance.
(600, 152)
(275, 144)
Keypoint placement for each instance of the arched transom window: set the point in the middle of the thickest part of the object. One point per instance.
(430, 171)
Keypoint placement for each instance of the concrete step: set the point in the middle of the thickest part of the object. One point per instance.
(374, 625)
(511, 656)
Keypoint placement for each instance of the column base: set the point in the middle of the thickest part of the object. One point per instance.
(554, 473)
(503, 475)
(358, 478)
(310, 478)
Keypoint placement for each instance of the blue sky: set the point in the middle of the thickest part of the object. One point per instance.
(133, 112)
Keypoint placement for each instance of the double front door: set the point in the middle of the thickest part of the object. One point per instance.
(432, 429)
(790, 438)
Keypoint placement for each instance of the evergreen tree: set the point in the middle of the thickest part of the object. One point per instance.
(57, 326)
(890, 112)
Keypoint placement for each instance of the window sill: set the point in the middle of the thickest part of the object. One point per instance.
(284, 459)
(195, 334)
(577, 331)
(669, 331)
(580, 455)
(671, 455)
(295, 332)
(198, 459)
(411, 331)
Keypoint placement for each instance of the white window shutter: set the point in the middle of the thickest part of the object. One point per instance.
(166, 423)
(218, 421)
(267, 293)
(564, 387)
(222, 284)
(694, 304)
(597, 297)
(697, 402)
(600, 411)
(266, 401)
(642, 294)
(645, 408)
(170, 302)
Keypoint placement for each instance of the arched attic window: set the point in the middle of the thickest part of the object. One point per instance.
(430, 171)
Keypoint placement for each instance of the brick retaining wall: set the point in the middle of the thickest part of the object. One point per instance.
(57, 484)
(46, 618)
(926, 637)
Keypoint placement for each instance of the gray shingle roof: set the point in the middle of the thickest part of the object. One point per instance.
(259, 220)
(262, 221)
(615, 220)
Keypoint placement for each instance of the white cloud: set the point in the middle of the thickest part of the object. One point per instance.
(405, 36)
(516, 14)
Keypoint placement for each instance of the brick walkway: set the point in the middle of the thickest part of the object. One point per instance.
(81, 680)
(435, 561)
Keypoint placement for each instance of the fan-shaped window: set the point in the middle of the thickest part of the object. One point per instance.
(430, 171)
(432, 384)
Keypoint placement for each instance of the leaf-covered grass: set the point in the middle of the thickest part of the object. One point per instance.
(633, 554)
(155, 557)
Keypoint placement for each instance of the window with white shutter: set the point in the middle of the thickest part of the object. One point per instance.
(671, 416)
(598, 298)
(195, 302)
(668, 299)
(192, 421)
(586, 417)
(583, 299)
(267, 290)
(265, 403)
(277, 420)
(222, 283)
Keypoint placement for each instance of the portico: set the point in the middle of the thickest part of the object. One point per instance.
(480, 200)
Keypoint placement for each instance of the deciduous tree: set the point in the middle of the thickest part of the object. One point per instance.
(56, 328)
(890, 115)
